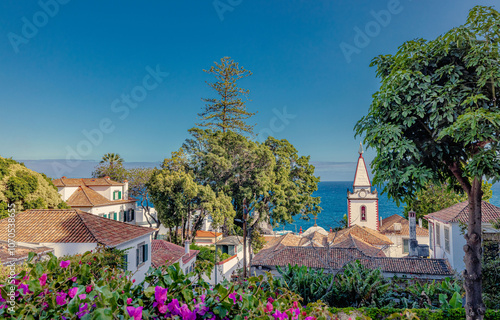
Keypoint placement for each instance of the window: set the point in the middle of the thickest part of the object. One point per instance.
(447, 239)
(110, 215)
(125, 261)
(142, 253)
(406, 245)
(117, 195)
(438, 234)
(363, 213)
(431, 236)
(115, 216)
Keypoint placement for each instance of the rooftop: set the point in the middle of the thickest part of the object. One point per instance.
(337, 258)
(387, 226)
(77, 182)
(460, 213)
(207, 234)
(20, 253)
(71, 226)
(164, 253)
(231, 240)
(86, 197)
(368, 235)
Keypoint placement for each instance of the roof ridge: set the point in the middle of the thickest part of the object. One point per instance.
(85, 193)
(78, 212)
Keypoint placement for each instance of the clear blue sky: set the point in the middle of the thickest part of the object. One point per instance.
(64, 79)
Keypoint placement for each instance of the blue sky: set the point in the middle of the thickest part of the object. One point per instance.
(63, 71)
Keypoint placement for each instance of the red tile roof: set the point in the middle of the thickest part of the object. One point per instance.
(165, 253)
(355, 243)
(77, 182)
(337, 258)
(368, 235)
(208, 234)
(387, 226)
(71, 226)
(460, 213)
(86, 197)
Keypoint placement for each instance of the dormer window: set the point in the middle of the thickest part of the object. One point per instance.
(363, 213)
(117, 195)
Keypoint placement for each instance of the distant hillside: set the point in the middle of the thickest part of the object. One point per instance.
(26, 188)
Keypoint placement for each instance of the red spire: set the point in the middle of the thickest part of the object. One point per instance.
(300, 232)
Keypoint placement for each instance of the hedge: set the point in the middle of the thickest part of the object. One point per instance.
(423, 314)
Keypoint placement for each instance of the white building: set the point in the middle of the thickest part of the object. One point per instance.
(362, 202)
(446, 237)
(99, 196)
(397, 229)
(72, 231)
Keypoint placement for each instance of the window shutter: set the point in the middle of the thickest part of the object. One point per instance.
(119, 195)
(115, 216)
(137, 256)
(145, 252)
(125, 261)
(132, 215)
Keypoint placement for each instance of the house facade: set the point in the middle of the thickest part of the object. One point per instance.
(72, 231)
(397, 229)
(447, 230)
(99, 196)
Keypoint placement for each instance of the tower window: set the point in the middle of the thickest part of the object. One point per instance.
(363, 213)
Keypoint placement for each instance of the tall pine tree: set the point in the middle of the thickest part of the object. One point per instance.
(228, 112)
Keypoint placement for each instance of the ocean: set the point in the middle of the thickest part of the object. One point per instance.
(334, 205)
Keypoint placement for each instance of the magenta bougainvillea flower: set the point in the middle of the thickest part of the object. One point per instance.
(88, 288)
(129, 300)
(82, 310)
(280, 315)
(269, 307)
(72, 292)
(61, 298)
(161, 294)
(25, 288)
(82, 296)
(64, 264)
(43, 279)
(187, 314)
(135, 313)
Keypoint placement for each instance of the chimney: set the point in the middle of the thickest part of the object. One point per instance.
(64, 177)
(125, 190)
(413, 244)
(186, 247)
(420, 222)
(331, 230)
(380, 224)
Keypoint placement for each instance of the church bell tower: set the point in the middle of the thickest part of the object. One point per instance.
(362, 202)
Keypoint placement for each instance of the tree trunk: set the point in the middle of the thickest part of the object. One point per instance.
(474, 306)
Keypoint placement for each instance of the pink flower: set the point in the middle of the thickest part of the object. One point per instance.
(270, 299)
(82, 296)
(82, 310)
(269, 307)
(313, 318)
(88, 288)
(173, 307)
(233, 296)
(72, 292)
(73, 279)
(187, 314)
(133, 281)
(135, 313)
(280, 315)
(64, 264)
(61, 298)
(161, 294)
(25, 288)
(25, 278)
(43, 279)
(129, 300)
(295, 304)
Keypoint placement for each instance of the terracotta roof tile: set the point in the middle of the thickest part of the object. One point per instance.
(460, 213)
(86, 197)
(78, 182)
(336, 258)
(368, 235)
(71, 226)
(207, 234)
(288, 239)
(165, 253)
(353, 242)
(387, 226)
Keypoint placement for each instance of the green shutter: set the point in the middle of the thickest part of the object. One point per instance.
(119, 195)
(145, 252)
(115, 217)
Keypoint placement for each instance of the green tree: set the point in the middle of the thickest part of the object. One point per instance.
(111, 165)
(434, 197)
(26, 189)
(182, 204)
(435, 120)
(228, 111)
(137, 185)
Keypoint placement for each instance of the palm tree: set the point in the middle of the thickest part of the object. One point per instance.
(112, 159)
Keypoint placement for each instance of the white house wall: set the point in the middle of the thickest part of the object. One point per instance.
(139, 273)
(354, 207)
(65, 249)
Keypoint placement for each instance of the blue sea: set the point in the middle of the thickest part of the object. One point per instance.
(334, 205)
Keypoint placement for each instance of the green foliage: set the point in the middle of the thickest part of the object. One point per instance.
(228, 111)
(358, 286)
(115, 172)
(311, 284)
(491, 283)
(25, 188)
(433, 198)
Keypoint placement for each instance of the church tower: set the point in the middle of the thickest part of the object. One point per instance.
(362, 202)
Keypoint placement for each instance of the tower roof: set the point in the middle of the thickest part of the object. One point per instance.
(361, 178)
